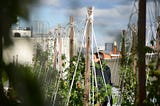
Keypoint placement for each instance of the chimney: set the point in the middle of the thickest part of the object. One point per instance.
(115, 47)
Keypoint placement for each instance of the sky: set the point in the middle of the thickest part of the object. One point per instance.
(110, 16)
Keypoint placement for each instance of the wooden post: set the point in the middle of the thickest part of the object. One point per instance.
(133, 50)
(55, 53)
(2, 96)
(158, 43)
(87, 67)
(123, 48)
(17, 59)
(141, 53)
(123, 57)
(60, 49)
(71, 36)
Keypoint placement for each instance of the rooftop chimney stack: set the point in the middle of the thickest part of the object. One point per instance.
(115, 47)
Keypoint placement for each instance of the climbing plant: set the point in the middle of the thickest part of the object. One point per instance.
(128, 86)
(77, 92)
(129, 82)
(43, 70)
(153, 85)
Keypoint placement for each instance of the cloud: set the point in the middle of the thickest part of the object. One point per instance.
(115, 12)
(74, 4)
(108, 21)
(118, 12)
(78, 12)
(113, 18)
(50, 2)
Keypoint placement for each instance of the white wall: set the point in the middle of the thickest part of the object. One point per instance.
(23, 48)
(23, 33)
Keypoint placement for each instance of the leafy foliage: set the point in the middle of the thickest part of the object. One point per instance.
(76, 97)
(43, 70)
(128, 86)
(105, 90)
(24, 86)
(9, 10)
(77, 92)
(153, 86)
(129, 83)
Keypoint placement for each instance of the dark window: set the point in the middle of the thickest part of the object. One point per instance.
(17, 34)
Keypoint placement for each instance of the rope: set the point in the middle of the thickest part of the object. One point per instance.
(58, 80)
(67, 103)
(101, 67)
(93, 69)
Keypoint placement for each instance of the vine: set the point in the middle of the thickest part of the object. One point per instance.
(153, 85)
(128, 87)
(76, 97)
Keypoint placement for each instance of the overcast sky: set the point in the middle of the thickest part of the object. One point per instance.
(110, 16)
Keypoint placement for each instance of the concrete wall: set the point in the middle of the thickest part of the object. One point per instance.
(114, 65)
(23, 33)
(22, 50)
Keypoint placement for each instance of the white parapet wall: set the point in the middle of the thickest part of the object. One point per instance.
(22, 50)
(21, 33)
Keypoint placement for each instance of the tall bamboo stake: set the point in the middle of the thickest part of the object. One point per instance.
(60, 49)
(71, 37)
(141, 53)
(55, 53)
(134, 43)
(158, 43)
(87, 67)
(123, 48)
(123, 54)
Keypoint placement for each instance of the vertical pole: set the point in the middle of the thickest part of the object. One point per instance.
(87, 67)
(71, 37)
(158, 42)
(123, 57)
(1, 68)
(60, 49)
(141, 53)
(133, 50)
(55, 53)
(17, 59)
(123, 48)
(158, 47)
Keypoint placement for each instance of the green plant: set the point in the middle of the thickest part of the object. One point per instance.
(105, 90)
(24, 88)
(76, 97)
(128, 86)
(45, 72)
(153, 86)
